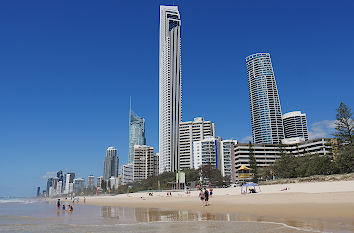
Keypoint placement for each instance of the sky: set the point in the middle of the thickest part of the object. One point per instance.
(68, 68)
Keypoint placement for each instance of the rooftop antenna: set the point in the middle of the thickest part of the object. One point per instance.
(130, 108)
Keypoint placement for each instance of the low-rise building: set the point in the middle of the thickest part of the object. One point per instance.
(266, 154)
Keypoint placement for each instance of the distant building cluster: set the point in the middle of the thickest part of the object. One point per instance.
(65, 184)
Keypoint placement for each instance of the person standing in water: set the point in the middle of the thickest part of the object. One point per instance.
(206, 195)
(202, 196)
(58, 203)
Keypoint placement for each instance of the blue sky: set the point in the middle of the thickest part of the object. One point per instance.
(67, 69)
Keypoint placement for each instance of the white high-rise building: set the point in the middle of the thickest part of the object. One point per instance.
(207, 152)
(189, 132)
(267, 124)
(67, 183)
(170, 102)
(295, 125)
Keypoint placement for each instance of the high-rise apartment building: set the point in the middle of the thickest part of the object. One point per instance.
(79, 185)
(295, 125)
(266, 117)
(99, 181)
(111, 163)
(143, 165)
(156, 164)
(207, 152)
(227, 158)
(136, 133)
(90, 182)
(189, 132)
(170, 102)
(127, 173)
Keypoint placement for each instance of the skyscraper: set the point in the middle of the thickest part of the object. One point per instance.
(170, 102)
(295, 125)
(111, 163)
(136, 132)
(267, 125)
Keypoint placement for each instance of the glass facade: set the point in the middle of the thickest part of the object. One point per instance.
(136, 133)
(266, 117)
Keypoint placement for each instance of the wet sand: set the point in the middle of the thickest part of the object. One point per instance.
(315, 204)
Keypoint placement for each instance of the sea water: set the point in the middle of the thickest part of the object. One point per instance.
(34, 215)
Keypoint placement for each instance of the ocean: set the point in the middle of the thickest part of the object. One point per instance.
(35, 215)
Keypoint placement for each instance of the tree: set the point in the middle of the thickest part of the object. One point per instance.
(253, 163)
(345, 136)
(344, 125)
(210, 174)
(104, 185)
(285, 166)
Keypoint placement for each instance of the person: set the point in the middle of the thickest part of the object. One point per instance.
(70, 208)
(58, 203)
(202, 196)
(63, 208)
(84, 199)
(211, 192)
(206, 195)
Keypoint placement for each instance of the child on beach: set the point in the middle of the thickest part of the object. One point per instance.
(202, 196)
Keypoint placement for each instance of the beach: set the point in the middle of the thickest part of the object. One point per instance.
(320, 205)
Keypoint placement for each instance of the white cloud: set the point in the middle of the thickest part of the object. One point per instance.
(322, 129)
(247, 139)
(48, 175)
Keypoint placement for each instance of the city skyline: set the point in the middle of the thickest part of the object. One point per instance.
(52, 116)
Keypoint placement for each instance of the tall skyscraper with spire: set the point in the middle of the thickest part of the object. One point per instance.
(136, 132)
(170, 102)
(266, 117)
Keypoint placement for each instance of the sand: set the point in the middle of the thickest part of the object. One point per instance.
(317, 201)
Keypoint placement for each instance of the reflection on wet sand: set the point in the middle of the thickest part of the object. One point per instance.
(133, 215)
(163, 215)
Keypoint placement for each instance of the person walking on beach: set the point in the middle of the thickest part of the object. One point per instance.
(211, 192)
(202, 196)
(58, 203)
(206, 195)
(63, 207)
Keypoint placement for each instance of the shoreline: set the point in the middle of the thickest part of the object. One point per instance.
(321, 205)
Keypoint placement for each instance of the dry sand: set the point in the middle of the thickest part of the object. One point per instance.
(331, 202)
